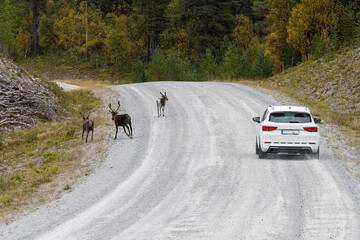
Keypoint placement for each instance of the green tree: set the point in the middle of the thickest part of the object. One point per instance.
(232, 61)
(138, 72)
(154, 18)
(209, 66)
(9, 27)
(156, 68)
(174, 67)
(47, 37)
(260, 14)
(175, 37)
(207, 22)
(348, 23)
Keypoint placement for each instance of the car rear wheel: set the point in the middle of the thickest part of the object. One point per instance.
(316, 155)
(257, 148)
(262, 155)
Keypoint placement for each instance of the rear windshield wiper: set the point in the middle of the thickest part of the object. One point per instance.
(294, 122)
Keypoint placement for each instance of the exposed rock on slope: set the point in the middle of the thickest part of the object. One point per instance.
(335, 80)
(24, 99)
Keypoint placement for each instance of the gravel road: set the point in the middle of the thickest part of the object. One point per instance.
(67, 87)
(193, 174)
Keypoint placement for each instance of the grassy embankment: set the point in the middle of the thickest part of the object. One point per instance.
(38, 163)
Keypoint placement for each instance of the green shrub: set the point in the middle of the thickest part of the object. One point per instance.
(156, 68)
(209, 66)
(138, 72)
(251, 63)
(174, 68)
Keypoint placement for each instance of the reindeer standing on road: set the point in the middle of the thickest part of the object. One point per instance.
(88, 126)
(123, 120)
(161, 104)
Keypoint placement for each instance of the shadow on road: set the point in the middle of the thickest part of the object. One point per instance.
(289, 157)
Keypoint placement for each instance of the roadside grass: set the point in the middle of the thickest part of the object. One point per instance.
(38, 163)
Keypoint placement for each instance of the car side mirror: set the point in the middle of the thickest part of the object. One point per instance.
(256, 119)
(317, 120)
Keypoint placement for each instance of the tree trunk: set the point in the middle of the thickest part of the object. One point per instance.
(86, 31)
(35, 26)
(117, 9)
(148, 33)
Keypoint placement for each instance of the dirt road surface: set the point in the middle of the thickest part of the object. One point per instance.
(194, 174)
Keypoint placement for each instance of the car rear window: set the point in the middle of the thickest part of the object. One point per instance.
(289, 117)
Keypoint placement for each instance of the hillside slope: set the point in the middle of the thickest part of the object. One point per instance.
(24, 99)
(332, 82)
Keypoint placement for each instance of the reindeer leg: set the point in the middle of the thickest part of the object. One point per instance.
(157, 108)
(125, 131)
(130, 129)
(82, 136)
(127, 127)
(116, 132)
(92, 135)
(87, 135)
(164, 111)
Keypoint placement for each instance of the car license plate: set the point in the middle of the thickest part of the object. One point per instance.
(290, 132)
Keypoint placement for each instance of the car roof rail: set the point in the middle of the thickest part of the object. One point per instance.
(271, 106)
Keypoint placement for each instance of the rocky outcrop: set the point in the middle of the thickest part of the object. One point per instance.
(25, 99)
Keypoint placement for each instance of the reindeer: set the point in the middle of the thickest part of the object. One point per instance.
(123, 120)
(161, 104)
(88, 126)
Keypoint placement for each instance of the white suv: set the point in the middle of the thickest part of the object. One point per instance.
(287, 130)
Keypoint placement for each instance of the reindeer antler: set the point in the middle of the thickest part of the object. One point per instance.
(110, 108)
(118, 106)
(89, 109)
(162, 94)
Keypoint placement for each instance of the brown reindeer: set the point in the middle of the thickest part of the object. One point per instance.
(88, 126)
(161, 104)
(123, 120)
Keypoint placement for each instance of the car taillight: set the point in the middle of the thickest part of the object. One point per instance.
(310, 129)
(268, 128)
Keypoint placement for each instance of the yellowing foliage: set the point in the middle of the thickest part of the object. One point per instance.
(307, 18)
(24, 43)
(271, 50)
(176, 39)
(70, 30)
(243, 32)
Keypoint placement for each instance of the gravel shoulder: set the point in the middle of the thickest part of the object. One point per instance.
(194, 174)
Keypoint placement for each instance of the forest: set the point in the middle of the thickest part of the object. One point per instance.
(179, 40)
